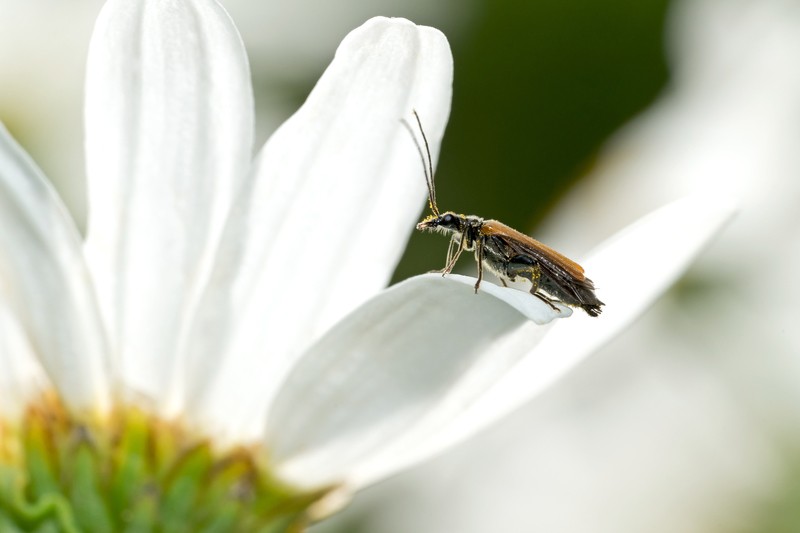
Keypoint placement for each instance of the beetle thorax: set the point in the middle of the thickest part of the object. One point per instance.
(471, 230)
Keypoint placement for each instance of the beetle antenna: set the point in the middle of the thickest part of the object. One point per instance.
(427, 165)
(429, 173)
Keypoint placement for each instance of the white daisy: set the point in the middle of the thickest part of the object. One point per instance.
(219, 353)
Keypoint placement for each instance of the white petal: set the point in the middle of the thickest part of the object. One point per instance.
(45, 284)
(169, 134)
(322, 224)
(519, 298)
(393, 371)
(22, 378)
(630, 270)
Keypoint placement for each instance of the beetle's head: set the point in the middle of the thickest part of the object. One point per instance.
(446, 223)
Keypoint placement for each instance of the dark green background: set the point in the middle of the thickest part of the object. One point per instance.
(539, 85)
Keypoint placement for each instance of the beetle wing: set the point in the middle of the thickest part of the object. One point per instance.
(556, 264)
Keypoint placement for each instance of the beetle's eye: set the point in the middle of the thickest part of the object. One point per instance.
(447, 220)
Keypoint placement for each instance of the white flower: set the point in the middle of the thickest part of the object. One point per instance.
(242, 299)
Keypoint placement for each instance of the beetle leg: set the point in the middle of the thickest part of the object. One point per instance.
(451, 261)
(524, 267)
(479, 258)
(450, 249)
(547, 300)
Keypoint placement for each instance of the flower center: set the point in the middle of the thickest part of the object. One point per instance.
(134, 472)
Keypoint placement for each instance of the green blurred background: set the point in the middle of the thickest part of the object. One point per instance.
(539, 85)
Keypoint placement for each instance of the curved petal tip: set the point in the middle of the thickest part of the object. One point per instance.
(515, 296)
